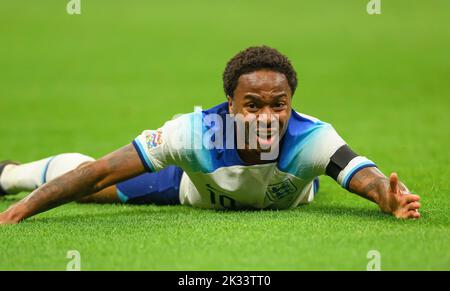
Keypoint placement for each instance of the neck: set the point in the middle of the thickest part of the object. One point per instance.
(252, 157)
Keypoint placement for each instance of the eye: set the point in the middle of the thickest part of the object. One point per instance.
(279, 105)
(251, 105)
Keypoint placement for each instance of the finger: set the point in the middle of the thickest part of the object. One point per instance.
(413, 214)
(413, 206)
(408, 214)
(393, 182)
(403, 188)
(411, 198)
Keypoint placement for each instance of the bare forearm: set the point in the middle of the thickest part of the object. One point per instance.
(369, 183)
(87, 179)
(69, 187)
(372, 184)
(390, 194)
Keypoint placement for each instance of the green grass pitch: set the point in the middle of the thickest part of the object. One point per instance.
(90, 83)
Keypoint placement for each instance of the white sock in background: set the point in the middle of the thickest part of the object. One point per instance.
(27, 177)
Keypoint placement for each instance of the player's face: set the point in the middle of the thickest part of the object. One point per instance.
(265, 96)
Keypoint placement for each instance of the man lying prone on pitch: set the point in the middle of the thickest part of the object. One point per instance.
(268, 158)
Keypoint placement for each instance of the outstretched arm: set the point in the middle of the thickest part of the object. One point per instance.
(87, 179)
(390, 194)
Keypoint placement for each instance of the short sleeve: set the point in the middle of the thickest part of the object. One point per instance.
(162, 147)
(332, 156)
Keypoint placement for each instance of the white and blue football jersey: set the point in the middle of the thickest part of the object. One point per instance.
(217, 177)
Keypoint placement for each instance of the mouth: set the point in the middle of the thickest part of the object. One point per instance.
(266, 137)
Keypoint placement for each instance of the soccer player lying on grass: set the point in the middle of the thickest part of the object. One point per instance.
(274, 165)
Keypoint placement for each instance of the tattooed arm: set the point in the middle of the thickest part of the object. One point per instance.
(390, 194)
(86, 179)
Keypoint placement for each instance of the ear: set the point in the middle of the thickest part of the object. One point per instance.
(230, 104)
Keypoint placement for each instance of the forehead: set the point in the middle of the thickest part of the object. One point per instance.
(263, 80)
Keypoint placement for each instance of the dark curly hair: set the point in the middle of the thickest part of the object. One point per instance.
(253, 59)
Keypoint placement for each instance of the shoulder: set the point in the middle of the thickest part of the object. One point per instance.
(301, 127)
(190, 122)
(189, 137)
(220, 109)
(307, 142)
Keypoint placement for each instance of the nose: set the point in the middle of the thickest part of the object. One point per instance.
(267, 118)
(266, 110)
